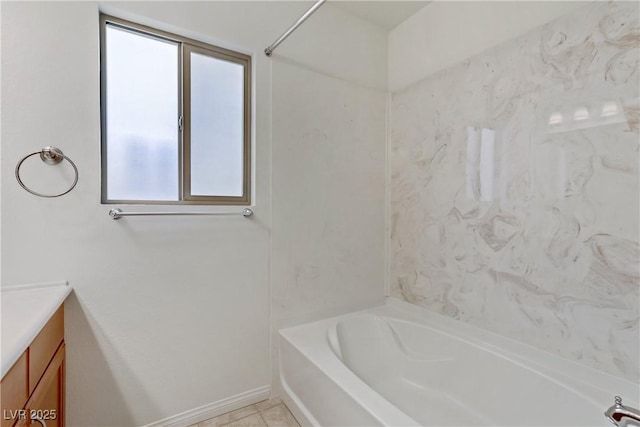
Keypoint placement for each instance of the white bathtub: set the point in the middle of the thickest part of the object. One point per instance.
(399, 365)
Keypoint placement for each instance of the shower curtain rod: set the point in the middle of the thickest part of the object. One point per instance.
(269, 50)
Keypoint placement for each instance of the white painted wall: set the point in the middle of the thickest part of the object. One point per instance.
(168, 313)
(446, 32)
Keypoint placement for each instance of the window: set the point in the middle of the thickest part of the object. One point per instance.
(175, 118)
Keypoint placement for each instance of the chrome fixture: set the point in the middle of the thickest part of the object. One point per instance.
(269, 50)
(623, 416)
(117, 213)
(51, 156)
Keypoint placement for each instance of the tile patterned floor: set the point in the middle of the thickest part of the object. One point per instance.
(268, 413)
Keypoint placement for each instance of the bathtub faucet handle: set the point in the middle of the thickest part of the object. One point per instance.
(622, 416)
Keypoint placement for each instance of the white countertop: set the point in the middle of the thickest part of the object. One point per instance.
(25, 311)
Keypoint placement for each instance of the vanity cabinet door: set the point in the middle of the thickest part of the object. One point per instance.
(44, 347)
(45, 408)
(14, 392)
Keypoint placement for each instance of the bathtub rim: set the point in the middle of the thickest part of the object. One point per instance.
(513, 349)
(311, 341)
(573, 374)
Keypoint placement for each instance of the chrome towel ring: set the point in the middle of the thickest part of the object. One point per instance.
(51, 156)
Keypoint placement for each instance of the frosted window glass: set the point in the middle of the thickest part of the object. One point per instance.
(142, 117)
(217, 134)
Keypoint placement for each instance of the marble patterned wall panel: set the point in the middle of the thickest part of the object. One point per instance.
(328, 195)
(515, 192)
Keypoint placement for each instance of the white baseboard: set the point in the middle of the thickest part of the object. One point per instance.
(196, 415)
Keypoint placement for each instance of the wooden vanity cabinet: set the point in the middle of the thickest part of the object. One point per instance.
(14, 390)
(34, 387)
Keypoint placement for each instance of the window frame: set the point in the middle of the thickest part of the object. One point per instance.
(185, 47)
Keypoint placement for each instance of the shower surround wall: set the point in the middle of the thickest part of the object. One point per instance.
(327, 176)
(514, 189)
(328, 199)
(328, 207)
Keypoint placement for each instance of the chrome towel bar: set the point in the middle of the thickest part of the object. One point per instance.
(117, 213)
